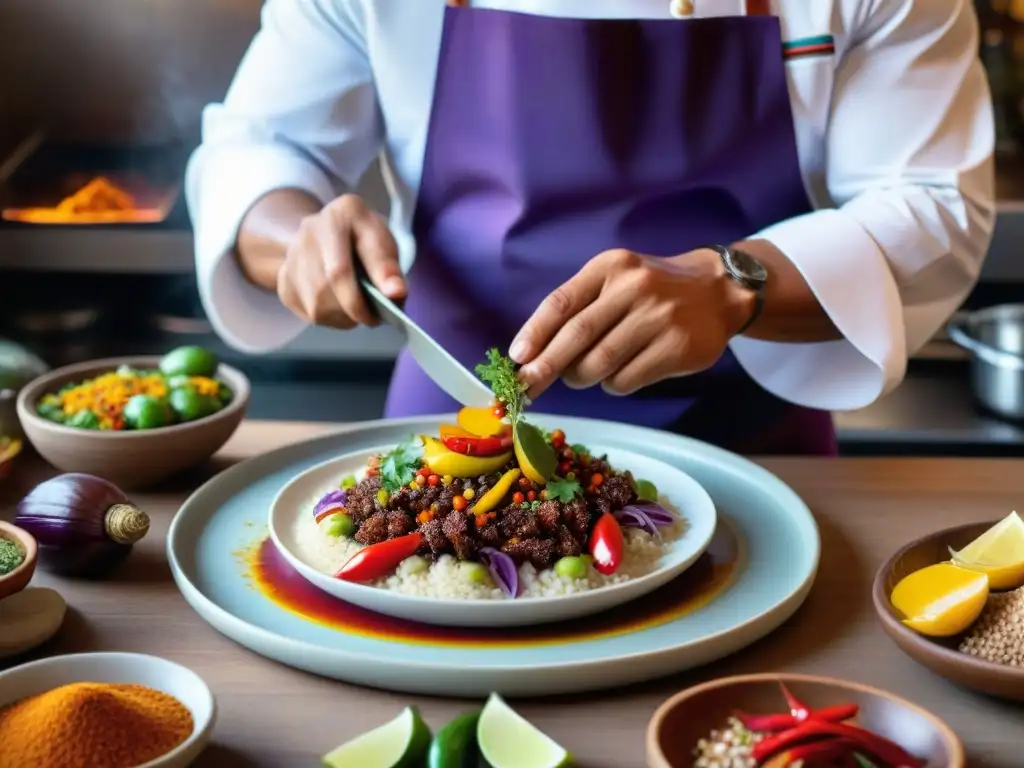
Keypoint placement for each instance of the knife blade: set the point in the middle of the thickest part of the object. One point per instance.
(447, 372)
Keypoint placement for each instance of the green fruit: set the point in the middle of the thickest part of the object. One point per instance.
(349, 481)
(83, 420)
(189, 361)
(455, 744)
(646, 490)
(145, 412)
(51, 412)
(474, 573)
(180, 381)
(507, 740)
(571, 568)
(189, 405)
(339, 525)
(402, 743)
(224, 394)
(535, 455)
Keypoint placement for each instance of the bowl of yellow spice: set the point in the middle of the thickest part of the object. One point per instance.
(103, 710)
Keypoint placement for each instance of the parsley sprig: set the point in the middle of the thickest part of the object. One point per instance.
(563, 489)
(499, 373)
(399, 465)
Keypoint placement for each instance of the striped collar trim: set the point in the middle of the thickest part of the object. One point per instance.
(806, 47)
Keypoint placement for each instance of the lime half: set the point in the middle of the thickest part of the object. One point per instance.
(402, 743)
(507, 740)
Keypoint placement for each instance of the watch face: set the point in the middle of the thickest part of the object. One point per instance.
(746, 267)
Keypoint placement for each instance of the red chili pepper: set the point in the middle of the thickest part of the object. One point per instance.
(606, 544)
(797, 708)
(877, 745)
(378, 560)
(779, 723)
(477, 446)
(820, 750)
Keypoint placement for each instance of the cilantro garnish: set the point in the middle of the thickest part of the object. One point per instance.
(499, 373)
(398, 466)
(563, 490)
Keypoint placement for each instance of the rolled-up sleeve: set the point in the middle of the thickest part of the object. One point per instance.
(909, 168)
(302, 114)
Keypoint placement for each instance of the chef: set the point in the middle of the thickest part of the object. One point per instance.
(724, 218)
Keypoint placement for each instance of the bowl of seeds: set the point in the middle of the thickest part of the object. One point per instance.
(18, 552)
(954, 602)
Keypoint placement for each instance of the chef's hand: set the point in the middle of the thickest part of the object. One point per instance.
(626, 321)
(317, 280)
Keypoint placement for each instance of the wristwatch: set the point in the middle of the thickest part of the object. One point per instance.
(748, 272)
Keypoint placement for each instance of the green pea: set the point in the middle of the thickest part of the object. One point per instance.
(349, 481)
(339, 525)
(51, 412)
(84, 420)
(646, 490)
(475, 573)
(413, 565)
(571, 568)
(224, 393)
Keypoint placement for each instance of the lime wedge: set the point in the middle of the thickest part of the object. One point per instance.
(454, 746)
(1000, 545)
(507, 740)
(402, 743)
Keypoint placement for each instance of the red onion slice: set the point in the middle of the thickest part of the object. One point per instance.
(332, 501)
(503, 569)
(632, 517)
(657, 513)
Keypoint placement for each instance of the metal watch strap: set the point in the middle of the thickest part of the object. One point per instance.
(758, 287)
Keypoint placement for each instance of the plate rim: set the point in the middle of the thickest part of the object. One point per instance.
(683, 563)
(773, 616)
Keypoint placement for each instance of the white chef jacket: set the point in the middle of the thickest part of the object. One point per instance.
(894, 130)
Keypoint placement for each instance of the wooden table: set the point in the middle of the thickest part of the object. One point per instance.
(271, 715)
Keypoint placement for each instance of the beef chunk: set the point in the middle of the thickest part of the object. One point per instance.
(456, 528)
(566, 543)
(617, 490)
(489, 535)
(519, 522)
(576, 517)
(435, 537)
(399, 524)
(361, 501)
(374, 529)
(540, 552)
(548, 514)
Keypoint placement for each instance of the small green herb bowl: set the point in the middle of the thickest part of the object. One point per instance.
(682, 721)
(131, 459)
(18, 579)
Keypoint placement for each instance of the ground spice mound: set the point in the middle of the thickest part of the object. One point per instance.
(92, 725)
(998, 634)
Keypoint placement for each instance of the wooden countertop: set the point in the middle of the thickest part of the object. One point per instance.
(270, 715)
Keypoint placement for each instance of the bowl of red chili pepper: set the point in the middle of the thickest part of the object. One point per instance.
(796, 721)
(132, 456)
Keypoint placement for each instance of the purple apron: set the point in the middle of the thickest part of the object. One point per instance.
(552, 140)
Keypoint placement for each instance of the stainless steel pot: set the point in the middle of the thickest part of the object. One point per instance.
(995, 339)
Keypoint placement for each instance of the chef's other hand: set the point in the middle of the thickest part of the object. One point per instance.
(317, 280)
(626, 321)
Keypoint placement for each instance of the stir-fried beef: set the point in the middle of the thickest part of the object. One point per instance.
(534, 531)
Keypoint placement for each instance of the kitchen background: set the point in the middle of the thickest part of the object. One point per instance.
(104, 97)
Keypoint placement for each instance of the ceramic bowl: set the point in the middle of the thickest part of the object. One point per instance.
(129, 459)
(294, 506)
(689, 716)
(940, 655)
(132, 668)
(18, 579)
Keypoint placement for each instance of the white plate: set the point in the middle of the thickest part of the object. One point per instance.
(132, 668)
(681, 492)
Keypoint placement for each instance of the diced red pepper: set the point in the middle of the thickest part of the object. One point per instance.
(477, 446)
(381, 559)
(872, 743)
(606, 544)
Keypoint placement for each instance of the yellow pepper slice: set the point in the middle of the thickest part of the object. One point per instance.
(445, 462)
(494, 497)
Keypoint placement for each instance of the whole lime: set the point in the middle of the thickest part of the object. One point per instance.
(190, 405)
(189, 361)
(145, 412)
(180, 381)
(83, 420)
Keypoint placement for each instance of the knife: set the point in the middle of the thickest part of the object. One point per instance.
(447, 372)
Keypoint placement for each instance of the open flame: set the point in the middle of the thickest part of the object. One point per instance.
(101, 201)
